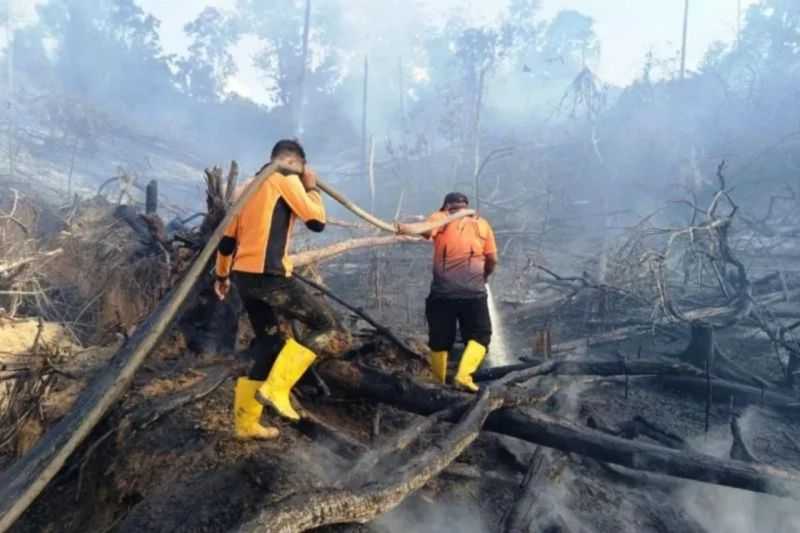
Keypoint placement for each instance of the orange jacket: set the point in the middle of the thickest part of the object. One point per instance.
(459, 255)
(257, 240)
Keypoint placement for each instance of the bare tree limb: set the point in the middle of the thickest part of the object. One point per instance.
(318, 255)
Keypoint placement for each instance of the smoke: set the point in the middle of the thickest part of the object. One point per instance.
(416, 515)
(732, 510)
(737, 511)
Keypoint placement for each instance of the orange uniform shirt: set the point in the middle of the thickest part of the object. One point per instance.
(257, 241)
(459, 256)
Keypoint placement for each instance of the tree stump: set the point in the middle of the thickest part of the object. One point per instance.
(700, 350)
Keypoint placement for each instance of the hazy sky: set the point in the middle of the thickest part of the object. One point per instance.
(626, 28)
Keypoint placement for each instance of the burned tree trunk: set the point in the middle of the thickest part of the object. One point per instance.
(151, 198)
(700, 350)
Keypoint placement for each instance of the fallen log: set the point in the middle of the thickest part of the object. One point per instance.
(367, 500)
(538, 428)
(497, 372)
(463, 471)
(393, 443)
(577, 367)
(722, 390)
(637, 427)
(28, 476)
(430, 398)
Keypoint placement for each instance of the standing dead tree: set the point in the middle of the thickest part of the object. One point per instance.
(703, 245)
(697, 261)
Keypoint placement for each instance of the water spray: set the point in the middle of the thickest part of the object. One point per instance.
(499, 354)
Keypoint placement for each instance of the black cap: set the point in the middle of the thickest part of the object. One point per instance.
(288, 145)
(455, 198)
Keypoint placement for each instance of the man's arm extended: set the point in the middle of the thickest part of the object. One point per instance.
(304, 198)
(407, 229)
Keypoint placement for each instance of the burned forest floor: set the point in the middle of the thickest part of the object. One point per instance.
(164, 458)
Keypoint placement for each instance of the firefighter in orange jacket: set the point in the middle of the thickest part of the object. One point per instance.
(464, 256)
(253, 253)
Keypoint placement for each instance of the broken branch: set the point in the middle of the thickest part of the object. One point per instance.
(304, 511)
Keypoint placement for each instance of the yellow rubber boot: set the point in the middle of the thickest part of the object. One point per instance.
(247, 412)
(290, 365)
(470, 361)
(439, 365)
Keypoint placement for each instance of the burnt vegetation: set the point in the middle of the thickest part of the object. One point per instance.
(643, 374)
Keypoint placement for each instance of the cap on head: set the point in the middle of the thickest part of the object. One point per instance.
(455, 198)
(290, 146)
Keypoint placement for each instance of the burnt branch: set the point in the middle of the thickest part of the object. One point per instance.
(363, 500)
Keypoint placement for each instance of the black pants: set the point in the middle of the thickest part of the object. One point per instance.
(268, 299)
(469, 315)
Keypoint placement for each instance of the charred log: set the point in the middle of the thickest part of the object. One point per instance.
(365, 501)
(722, 390)
(567, 367)
(637, 427)
(538, 428)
